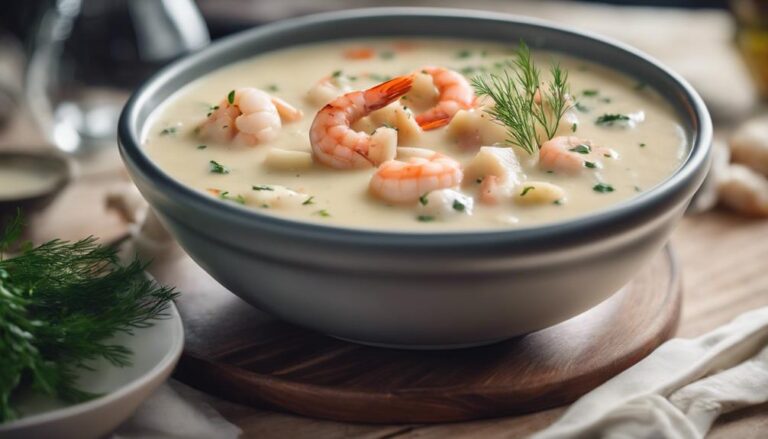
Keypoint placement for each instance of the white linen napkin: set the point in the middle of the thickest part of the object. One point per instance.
(679, 390)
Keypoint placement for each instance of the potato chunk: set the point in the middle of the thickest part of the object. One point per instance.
(500, 162)
(472, 128)
(288, 160)
(538, 193)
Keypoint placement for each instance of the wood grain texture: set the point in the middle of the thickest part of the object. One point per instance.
(238, 353)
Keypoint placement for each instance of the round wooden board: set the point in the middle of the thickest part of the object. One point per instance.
(239, 353)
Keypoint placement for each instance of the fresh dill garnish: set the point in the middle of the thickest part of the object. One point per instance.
(60, 303)
(231, 97)
(458, 206)
(262, 187)
(237, 199)
(526, 190)
(610, 119)
(309, 201)
(423, 199)
(602, 188)
(425, 218)
(514, 92)
(581, 149)
(218, 168)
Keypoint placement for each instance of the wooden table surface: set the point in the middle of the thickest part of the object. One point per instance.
(723, 259)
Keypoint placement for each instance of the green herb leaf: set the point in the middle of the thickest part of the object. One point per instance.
(336, 74)
(513, 92)
(323, 213)
(589, 92)
(581, 149)
(218, 168)
(610, 119)
(231, 97)
(202, 146)
(526, 189)
(387, 55)
(459, 206)
(462, 54)
(273, 88)
(588, 164)
(262, 187)
(168, 131)
(61, 303)
(425, 218)
(602, 188)
(423, 199)
(237, 199)
(308, 201)
(574, 127)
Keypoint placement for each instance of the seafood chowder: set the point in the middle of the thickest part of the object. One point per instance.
(417, 134)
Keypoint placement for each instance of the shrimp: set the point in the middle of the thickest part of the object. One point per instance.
(251, 117)
(571, 154)
(327, 89)
(424, 171)
(498, 171)
(336, 144)
(455, 93)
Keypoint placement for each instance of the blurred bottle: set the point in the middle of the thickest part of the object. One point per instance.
(752, 38)
(88, 55)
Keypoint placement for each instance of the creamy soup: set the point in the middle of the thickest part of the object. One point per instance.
(615, 138)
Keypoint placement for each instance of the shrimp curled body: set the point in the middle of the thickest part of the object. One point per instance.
(252, 117)
(336, 144)
(455, 93)
(424, 171)
(571, 155)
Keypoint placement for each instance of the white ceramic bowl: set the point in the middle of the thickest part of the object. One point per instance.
(156, 350)
(419, 290)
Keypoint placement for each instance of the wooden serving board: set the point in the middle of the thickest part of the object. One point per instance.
(239, 353)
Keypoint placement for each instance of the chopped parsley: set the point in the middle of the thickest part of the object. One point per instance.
(262, 187)
(272, 87)
(387, 55)
(425, 218)
(231, 97)
(423, 199)
(237, 199)
(323, 213)
(218, 168)
(637, 189)
(589, 92)
(573, 127)
(602, 188)
(610, 119)
(581, 107)
(336, 74)
(308, 201)
(526, 190)
(202, 146)
(642, 145)
(168, 131)
(588, 164)
(606, 100)
(581, 149)
(459, 206)
(558, 202)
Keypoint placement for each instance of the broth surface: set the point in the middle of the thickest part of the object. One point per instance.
(648, 152)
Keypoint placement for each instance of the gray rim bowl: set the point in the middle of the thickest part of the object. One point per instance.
(410, 21)
(408, 289)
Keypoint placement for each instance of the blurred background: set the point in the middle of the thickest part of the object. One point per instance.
(67, 66)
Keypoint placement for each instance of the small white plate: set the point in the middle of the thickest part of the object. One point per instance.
(156, 350)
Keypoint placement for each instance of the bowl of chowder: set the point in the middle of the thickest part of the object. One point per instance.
(420, 178)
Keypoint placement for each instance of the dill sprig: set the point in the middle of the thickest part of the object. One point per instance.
(514, 92)
(60, 303)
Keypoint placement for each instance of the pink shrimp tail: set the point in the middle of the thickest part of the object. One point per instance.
(427, 124)
(379, 96)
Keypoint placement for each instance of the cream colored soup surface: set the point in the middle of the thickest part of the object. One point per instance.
(647, 152)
